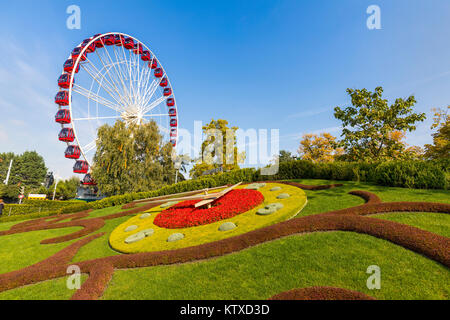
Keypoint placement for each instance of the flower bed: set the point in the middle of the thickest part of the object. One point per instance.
(185, 214)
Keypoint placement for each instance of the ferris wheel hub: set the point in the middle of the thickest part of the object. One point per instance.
(133, 115)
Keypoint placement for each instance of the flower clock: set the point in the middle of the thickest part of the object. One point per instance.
(179, 224)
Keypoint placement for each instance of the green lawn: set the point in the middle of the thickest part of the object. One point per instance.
(329, 259)
(338, 198)
(24, 249)
(321, 259)
(55, 289)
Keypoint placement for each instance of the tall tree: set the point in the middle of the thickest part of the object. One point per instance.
(368, 124)
(285, 156)
(440, 148)
(65, 189)
(219, 149)
(319, 148)
(131, 158)
(29, 169)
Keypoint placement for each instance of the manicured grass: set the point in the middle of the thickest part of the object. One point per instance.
(338, 198)
(438, 223)
(329, 259)
(55, 289)
(320, 259)
(100, 247)
(24, 249)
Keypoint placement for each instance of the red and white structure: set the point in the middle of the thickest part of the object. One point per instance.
(110, 77)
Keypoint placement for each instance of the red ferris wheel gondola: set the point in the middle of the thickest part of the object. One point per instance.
(76, 53)
(138, 49)
(172, 112)
(173, 122)
(109, 39)
(64, 81)
(146, 56)
(170, 102)
(81, 166)
(62, 98)
(158, 72)
(69, 64)
(119, 40)
(99, 42)
(164, 82)
(173, 132)
(66, 135)
(153, 64)
(90, 48)
(63, 116)
(167, 92)
(88, 180)
(128, 43)
(72, 152)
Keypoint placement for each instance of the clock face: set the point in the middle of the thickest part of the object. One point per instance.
(175, 225)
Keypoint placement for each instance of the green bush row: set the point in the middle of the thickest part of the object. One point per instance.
(408, 174)
(26, 209)
(33, 206)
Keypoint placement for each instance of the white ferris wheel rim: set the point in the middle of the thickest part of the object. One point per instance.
(71, 85)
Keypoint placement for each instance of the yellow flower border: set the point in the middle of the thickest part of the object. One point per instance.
(193, 236)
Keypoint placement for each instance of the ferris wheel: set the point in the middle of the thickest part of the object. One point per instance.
(110, 77)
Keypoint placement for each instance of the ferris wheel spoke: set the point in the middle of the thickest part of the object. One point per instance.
(146, 85)
(96, 118)
(101, 84)
(149, 92)
(142, 86)
(113, 78)
(155, 115)
(92, 96)
(90, 146)
(163, 129)
(154, 104)
(105, 85)
(120, 73)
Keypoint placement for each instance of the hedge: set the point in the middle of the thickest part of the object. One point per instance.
(408, 174)
(34, 206)
(30, 213)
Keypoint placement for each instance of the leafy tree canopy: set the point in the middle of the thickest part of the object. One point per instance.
(28, 171)
(319, 148)
(369, 124)
(219, 149)
(65, 189)
(132, 159)
(285, 156)
(440, 149)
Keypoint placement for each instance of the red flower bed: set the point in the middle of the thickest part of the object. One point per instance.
(184, 214)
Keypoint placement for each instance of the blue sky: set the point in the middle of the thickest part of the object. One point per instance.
(259, 64)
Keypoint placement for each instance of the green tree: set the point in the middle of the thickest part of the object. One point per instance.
(319, 148)
(219, 149)
(368, 125)
(440, 149)
(285, 156)
(28, 170)
(131, 159)
(65, 189)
